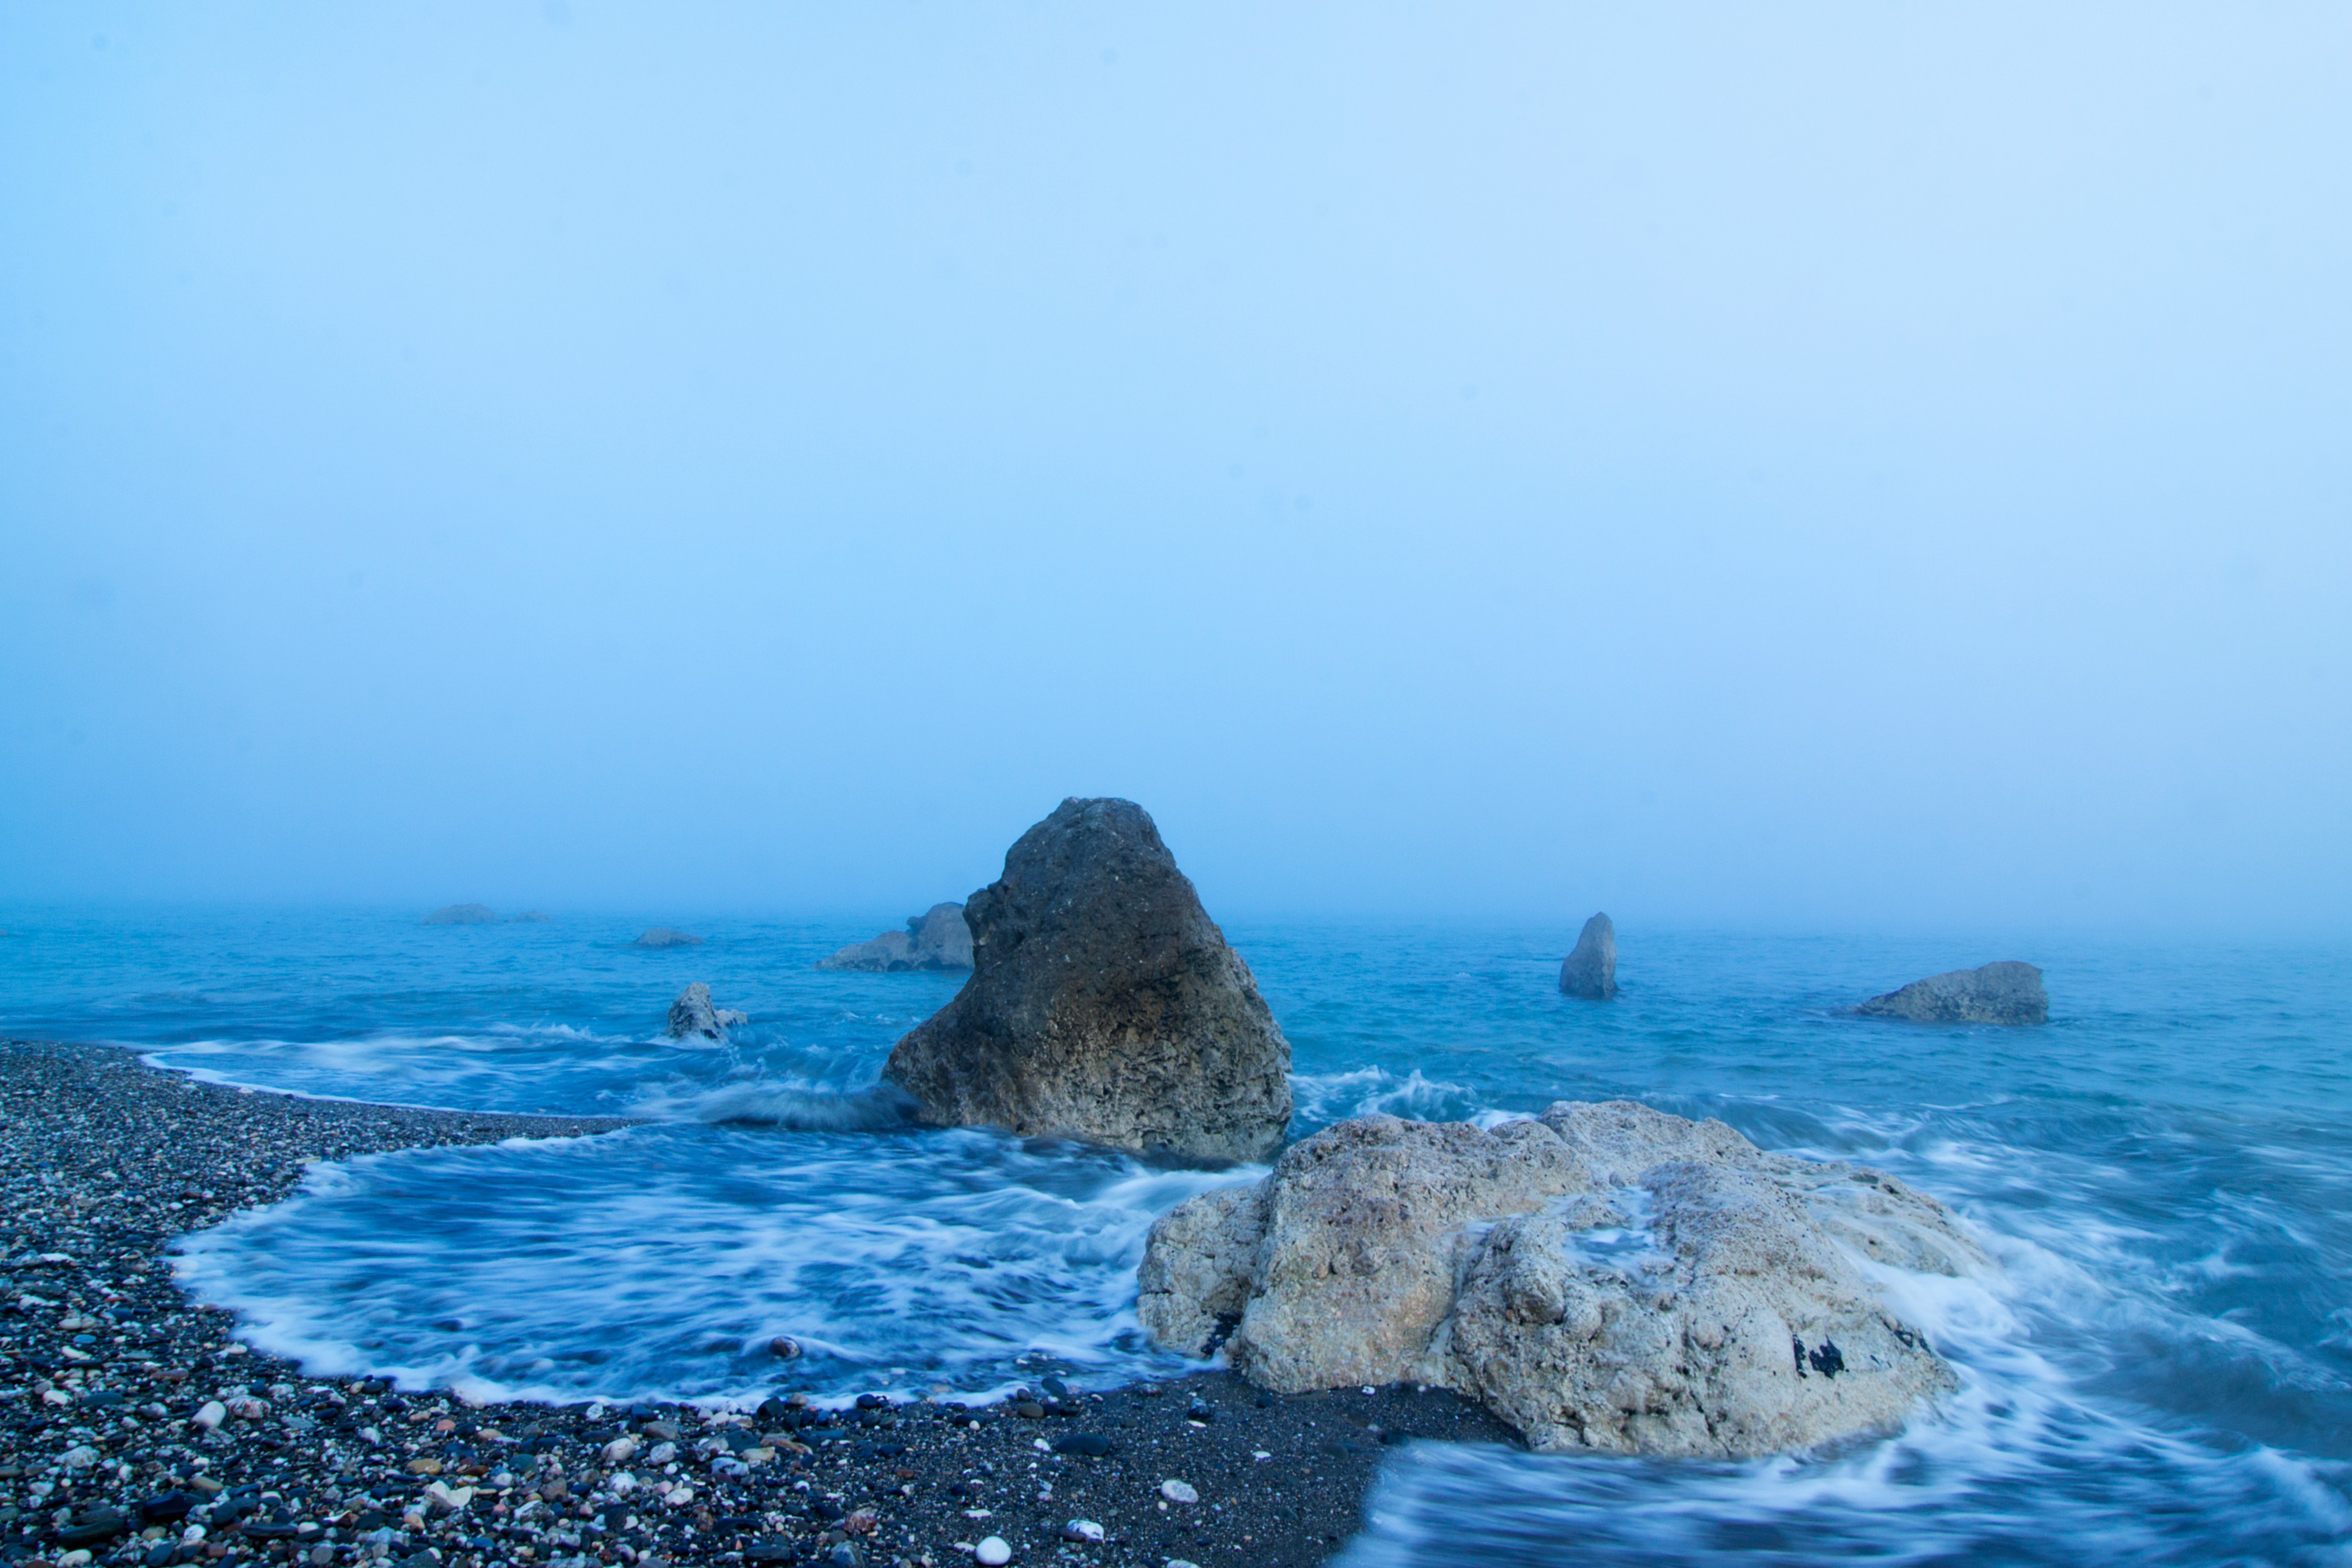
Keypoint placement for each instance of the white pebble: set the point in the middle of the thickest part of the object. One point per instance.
(81, 1457)
(212, 1414)
(1083, 1530)
(994, 1552)
(1178, 1492)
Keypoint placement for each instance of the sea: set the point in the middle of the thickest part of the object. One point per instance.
(2157, 1370)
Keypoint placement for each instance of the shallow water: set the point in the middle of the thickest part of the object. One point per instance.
(2161, 1371)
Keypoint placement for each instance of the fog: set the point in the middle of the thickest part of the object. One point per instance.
(1804, 468)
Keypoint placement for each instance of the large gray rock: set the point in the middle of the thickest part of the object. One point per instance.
(1590, 970)
(460, 915)
(1610, 1278)
(2004, 992)
(693, 1016)
(936, 939)
(1104, 1004)
(662, 936)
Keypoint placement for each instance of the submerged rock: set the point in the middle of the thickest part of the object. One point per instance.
(460, 915)
(1591, 970)
(936, 939)
(2004, 992)
(692, 1013)
(662, 936)
(1609, 1278)
(1104, 1004)
(532, 918)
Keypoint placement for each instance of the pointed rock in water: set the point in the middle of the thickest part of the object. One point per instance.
(1104, 1004)
(662, 936)
(2004, 992)
(460, 915)
(936, 939)
(1609, 1278)
(692, 1013)
(1591, 971)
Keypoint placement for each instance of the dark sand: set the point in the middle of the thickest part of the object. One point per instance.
(105, 1367)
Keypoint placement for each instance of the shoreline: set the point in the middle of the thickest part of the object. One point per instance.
(131, 1412)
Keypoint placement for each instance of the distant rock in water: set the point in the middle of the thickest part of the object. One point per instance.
(662, 936)
(532, 917)
(936, 939)
(692, 1013)
(461, 915)
(1104, 1004)
(1591, 971)
(1609, 1278)
(2004, 992)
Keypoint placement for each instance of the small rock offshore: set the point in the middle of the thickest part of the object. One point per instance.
(936, 939)
(1608, 1277)
(693, 1017)
(2009, 992)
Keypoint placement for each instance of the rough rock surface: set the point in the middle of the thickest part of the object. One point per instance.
(936, 939)
(692, 1013)
(2004, 992)
(662, 936)
(1104, 1004)
(1608, 1277)
(460, 915)
(1590, 970)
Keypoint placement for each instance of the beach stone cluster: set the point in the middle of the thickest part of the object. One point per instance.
(1609, 1278)
(1104, 1004)
(134, 1428)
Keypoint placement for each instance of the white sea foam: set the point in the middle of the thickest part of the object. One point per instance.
(661, 1262)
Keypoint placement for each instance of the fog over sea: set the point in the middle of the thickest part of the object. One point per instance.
(2159, 1371)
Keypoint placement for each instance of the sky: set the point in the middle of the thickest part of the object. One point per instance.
(1815, 467)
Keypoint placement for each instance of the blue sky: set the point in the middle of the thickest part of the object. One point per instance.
(1819, 467)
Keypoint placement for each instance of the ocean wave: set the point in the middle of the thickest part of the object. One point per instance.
(661, 1261)
(1321, 1098)
(2026, 1463)
(804, 1109)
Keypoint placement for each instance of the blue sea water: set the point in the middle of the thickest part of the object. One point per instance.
(2160, 1370)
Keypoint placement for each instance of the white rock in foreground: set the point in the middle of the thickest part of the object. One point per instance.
(1608, 1277)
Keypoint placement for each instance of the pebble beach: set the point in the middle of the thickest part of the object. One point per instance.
(135, 1427)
